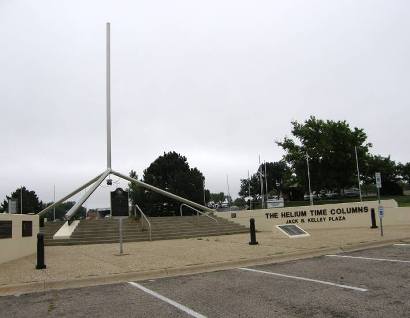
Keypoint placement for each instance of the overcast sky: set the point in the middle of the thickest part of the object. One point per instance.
(217, 81)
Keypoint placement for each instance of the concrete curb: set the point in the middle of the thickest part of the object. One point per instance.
(45, 285)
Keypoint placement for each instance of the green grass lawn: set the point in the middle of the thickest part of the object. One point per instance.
(403, 201)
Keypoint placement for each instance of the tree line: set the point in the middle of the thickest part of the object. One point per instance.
(329, 146)
(27, 201)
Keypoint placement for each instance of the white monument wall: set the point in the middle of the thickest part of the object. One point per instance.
(18, 246)
(354, 214)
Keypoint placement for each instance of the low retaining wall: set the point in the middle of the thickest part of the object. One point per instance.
(18, 235)
(353, 214)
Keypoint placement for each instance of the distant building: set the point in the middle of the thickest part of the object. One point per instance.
(99, 213)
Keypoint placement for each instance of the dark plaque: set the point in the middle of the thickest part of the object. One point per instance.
(27, 228)
(293, 230)
(6, 229)
(119, 203)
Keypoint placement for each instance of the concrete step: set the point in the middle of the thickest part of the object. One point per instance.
(173, 232)
(140, 239)
(107, 230)
(145, 234)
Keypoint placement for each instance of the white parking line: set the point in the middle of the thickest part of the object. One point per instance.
(371, 258)
(305, 279)
(169, 301)
(402, 244)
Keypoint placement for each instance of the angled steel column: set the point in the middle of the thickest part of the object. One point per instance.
(163, 192)
(80, 202)
(41, 213)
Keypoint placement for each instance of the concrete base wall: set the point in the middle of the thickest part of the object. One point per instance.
(349, 215)
(18, 246)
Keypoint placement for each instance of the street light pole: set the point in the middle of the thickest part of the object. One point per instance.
(249, 192)
(203, 183)
(229, 195)
(358, 174)
(54, 200)
(266, 187)
(21, 199)
(310, 188)
(261, 180)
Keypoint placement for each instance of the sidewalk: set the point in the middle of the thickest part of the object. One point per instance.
(84, 265)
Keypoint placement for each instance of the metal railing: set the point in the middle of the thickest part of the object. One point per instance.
(197, 212)
(144, 217)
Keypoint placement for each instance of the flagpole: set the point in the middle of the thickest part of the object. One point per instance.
(358, 174)
(310, 188)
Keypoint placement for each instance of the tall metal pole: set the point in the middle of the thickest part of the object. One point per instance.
(54, 200)
(261, 180)
(229, 195)
(21, 199)
(203, 184)
(380, 218)
(310, 188)
(120, 230)
(358, 174)
(266, 187)
(249, 192)
(108, 92)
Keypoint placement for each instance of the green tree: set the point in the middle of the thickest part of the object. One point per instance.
(217, 197)
(390, 173)
(330, 146)
(404, 170)
(207, 196)
(239, 202)
(136, 193)
(170, 172)
(62, 209)
(31, 203)
(278, 177)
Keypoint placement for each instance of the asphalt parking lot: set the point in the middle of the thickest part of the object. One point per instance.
(369, 283)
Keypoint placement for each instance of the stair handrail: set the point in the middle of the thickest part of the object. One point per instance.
(146, 219)
(197, 212)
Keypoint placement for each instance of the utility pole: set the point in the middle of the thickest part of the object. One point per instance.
(358, 174)
(310, 188)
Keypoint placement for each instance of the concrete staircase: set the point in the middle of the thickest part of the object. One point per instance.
(163, 228)
(50, 228)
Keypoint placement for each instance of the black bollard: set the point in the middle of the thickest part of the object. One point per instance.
(253, 232)
(373, 217)
(40, 251)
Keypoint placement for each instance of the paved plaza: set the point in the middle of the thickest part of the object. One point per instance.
(368, 283)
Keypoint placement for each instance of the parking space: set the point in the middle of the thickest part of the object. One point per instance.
(370, 283)
(117, 300)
